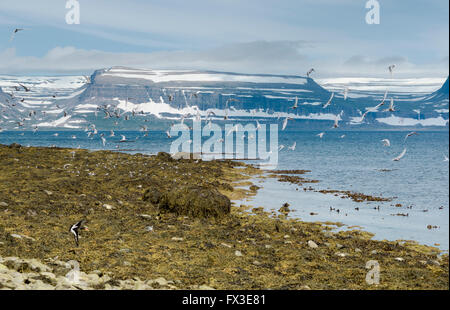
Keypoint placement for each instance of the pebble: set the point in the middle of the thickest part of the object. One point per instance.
(312, 244)
(108, 207)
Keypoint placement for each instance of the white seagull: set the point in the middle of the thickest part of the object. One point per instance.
(345, 93)
(336, 122)
(292, 148)
(386, 142)
(410, 134)
(400, 156)
(295, 106)
(391, 106)
(329, 101)
(285, 122)
(320, 135)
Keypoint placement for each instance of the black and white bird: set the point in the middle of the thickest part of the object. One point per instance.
(14, 33)
(308, 74)
(391, 69)
(75, 230)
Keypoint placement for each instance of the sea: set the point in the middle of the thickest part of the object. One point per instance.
(341, 160)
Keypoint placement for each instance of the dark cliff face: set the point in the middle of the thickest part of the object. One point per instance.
(444, 90)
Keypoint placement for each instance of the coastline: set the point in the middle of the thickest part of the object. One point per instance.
(193, 245)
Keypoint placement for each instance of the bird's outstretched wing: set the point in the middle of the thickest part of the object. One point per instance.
(400, 156)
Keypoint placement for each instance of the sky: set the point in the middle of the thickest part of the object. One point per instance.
(251, 36)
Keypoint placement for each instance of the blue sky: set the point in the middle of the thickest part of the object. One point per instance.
(255, 36)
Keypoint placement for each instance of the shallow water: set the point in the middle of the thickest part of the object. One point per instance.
(353, 163)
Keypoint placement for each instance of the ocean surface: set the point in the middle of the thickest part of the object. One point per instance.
(357, 162)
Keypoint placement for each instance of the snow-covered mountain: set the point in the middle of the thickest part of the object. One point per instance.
(125, 98)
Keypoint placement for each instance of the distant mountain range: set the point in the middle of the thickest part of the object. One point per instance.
(124, 99)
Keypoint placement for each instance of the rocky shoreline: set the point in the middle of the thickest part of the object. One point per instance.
(160, 223)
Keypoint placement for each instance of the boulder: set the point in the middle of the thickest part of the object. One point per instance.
(194, 201)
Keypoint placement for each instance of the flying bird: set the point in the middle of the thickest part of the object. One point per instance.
(285, 122)
(345, 93)
(309, 72)
(75, 230)
(24, 87)
(391, 69)
(336, 122)
(14, 33)
(124, 139)
(410, 134)
(391, 106)
(386, 142)
(295, 106)
(292, 148)
(400, 156)
(329, 101)
(320, 135)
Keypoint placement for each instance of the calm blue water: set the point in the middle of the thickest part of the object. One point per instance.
(420, 179)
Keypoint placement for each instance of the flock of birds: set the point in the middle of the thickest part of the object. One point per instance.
(113, 112)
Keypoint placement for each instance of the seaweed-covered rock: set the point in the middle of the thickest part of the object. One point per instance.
(195, 201)
(152, 195)
(14, 146)
(163, 156)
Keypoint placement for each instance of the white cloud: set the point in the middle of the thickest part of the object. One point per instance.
(278, 57)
